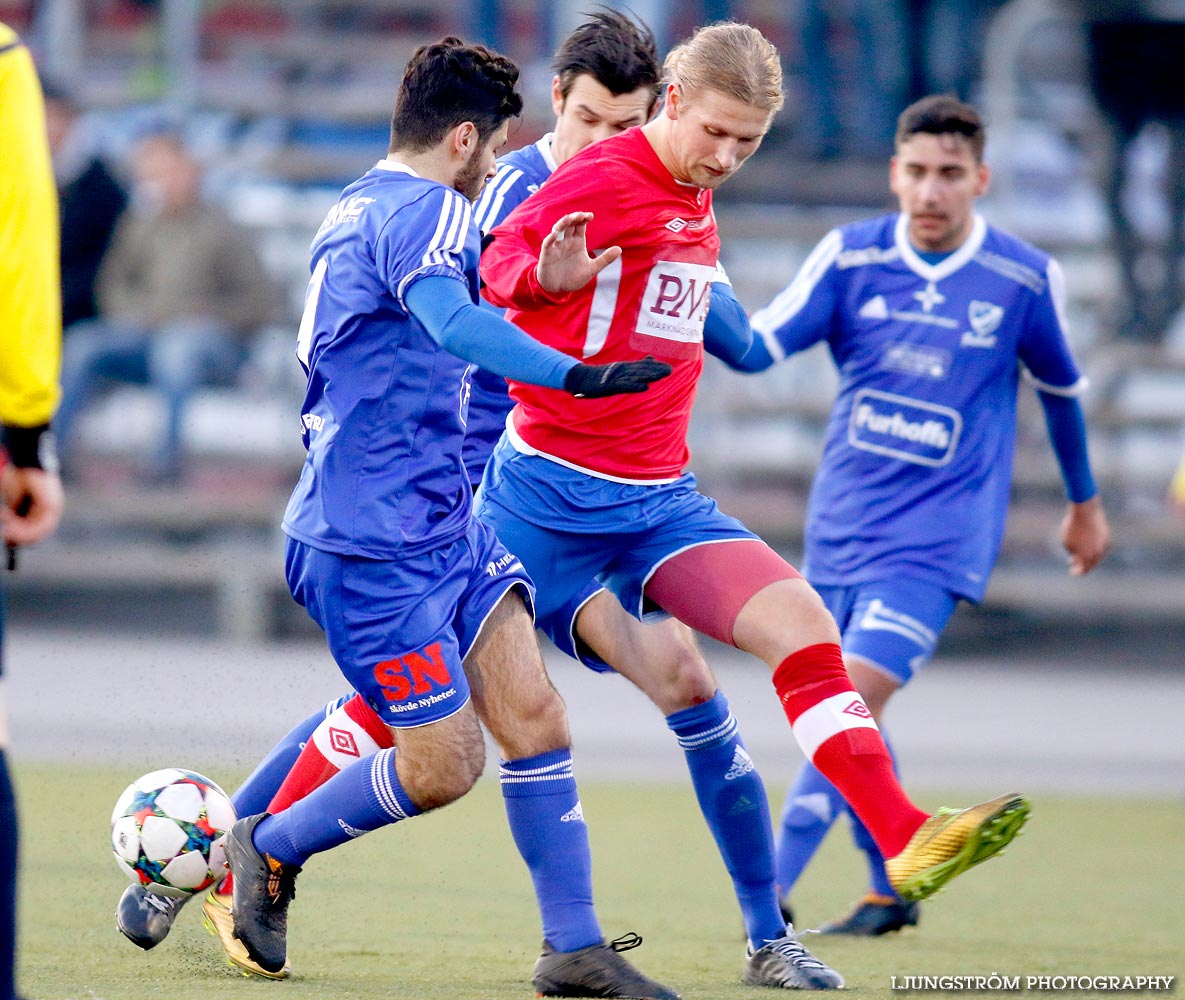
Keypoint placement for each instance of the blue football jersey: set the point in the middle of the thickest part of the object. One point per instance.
(520, 174)
(384, 412)
(917, 462)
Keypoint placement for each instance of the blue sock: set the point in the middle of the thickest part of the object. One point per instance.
(8, 872)
(877, 876)
(733, 801)
(547, 823)
(812, 805)
(254, 794)
(363, 797)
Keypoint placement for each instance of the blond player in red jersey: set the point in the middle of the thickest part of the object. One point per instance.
(598, 487)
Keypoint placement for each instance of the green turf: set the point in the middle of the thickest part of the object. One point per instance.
(442, 907)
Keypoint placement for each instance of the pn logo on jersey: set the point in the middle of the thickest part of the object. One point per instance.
(911, 430)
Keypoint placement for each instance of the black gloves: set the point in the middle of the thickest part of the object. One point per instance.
(595, 381)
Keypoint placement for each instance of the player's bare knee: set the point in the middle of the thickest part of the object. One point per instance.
(783, 618)
(439, 763)
(538, 723)
(686, 680)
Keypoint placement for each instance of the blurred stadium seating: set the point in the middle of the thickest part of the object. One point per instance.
(291, 99)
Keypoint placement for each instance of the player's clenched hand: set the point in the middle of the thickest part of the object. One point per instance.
(594, 381)
(564, 261)
(1085, 535)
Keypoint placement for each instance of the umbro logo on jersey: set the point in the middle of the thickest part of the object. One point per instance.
(858, 708)
(573, 815)
(677, 225)
(984, 318)
(342, 740)
(741, 765)
(875, 308)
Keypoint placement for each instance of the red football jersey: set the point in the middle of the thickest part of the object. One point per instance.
(652, 301)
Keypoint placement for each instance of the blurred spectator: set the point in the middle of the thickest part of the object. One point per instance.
(853, 44)
(181, 290)
(1135, 49)
(944, 45)
(91, 202)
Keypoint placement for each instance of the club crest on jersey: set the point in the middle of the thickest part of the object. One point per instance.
(984, 318)
(911, 430)
(675, 304)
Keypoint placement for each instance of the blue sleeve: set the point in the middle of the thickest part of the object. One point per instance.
(1043, 348)
(1067, 434)
(443, 307)
(727, 334)
(801, 314)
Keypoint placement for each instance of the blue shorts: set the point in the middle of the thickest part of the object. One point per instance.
(569, 528)
(892, 624)
(400, 631)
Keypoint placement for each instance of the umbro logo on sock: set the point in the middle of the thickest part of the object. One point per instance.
(573, 815)
(741, 765)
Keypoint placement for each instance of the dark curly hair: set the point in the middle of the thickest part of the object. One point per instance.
(447, 83)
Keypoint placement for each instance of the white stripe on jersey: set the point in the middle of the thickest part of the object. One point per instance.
(1057, 292)
(789, 302)
(1077, 389)
(604, 305)
(451, 228)
(489, 206)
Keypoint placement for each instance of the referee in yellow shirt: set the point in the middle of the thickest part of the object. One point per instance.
(30, 346)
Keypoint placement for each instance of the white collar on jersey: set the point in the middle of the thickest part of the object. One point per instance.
(395, 166)
(946, 266)
(544, 147)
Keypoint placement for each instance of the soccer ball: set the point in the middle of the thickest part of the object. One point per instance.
(167, 830)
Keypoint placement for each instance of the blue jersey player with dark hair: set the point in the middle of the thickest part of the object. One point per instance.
(932, 317)
(425, 612)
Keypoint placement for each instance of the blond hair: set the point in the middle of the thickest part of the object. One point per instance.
(730, 58)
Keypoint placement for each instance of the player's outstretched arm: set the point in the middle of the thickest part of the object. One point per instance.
(1086, 536)
(443, 307)
(564, 261)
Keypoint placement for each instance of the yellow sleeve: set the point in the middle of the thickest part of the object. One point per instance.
(30, 285)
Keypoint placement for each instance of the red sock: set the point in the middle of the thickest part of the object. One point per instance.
(352, 732)
(838, 735)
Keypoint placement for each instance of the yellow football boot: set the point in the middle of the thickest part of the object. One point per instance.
(221, 923)
(953, 840)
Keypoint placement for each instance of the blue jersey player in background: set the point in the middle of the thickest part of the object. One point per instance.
(426, 614)
(606, 81)
(932, 317)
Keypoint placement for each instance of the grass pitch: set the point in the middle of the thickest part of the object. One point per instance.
(442, 906)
